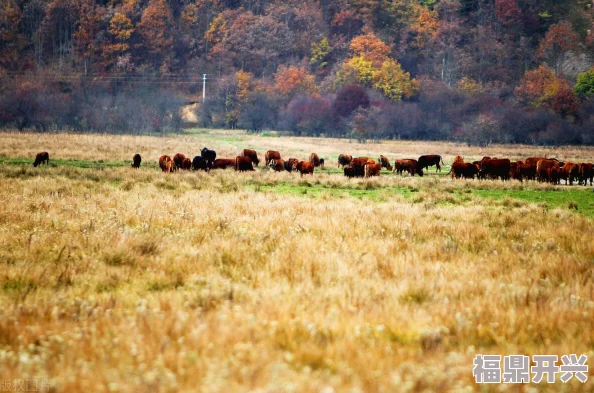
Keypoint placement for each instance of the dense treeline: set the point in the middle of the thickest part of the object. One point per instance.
(478, 71)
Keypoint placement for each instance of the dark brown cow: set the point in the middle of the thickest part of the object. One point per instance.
(186, 164)
(166, 164)
(41, 158)
(304, 167)
(569, 172)
(430, 160)
(289, 164)
(586, 173)
(372, 169)
(344, 160)
(199, 163)
(314, 159)
(252, 155)
(495, 168)
(179, 160)
(408, 165)
(350, 172)
(385, 162)
(243, 163)
(271, 155)
(543, 169)
(527, 171)
(277, 164)
(136, 160)
(224, 163)
(514, 172)
(464, 170)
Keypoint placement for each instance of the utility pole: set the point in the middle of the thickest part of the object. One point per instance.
(203, 87)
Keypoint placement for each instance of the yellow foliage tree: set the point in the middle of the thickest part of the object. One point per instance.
(394, 82)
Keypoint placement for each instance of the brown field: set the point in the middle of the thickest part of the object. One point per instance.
(122, 280)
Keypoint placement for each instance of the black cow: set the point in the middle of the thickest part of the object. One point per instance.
(199, 163)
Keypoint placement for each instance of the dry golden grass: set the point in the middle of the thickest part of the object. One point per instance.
(134, 280)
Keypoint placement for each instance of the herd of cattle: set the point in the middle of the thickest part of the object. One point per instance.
(542, 169)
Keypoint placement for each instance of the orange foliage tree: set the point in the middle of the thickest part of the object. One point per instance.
(292, 80)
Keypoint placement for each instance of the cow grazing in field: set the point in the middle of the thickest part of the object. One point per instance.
(224, 163)
(495, 168)
(385, 162)
(586, 173)
(315, 160)
(569, 172)
(289, 164)
(166, 164)
(344, 160)
(199, 163)
(304, 167)
(271, 155)
(277, 165)
(372, 169)
(322, 163)
(179, 160)
(430, 160)
(208, 155)
(544, 172)
(243, 163)
(136, 160)
(41, 158)
(186, 164)
(409, 165)
(464, 170)
(252, 155)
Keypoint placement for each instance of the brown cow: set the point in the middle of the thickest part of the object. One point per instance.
(166, 164)
(41, 158)
(458, 159)
(136, 160)
(514, 172)
(430, 160)
(224, 163)
(495, 168)
(270, 155)
(179, 160)
(372, 169)
(344, 160)
(586, 173)
(243, 163)
(408, 165)
(358, 165)
(464, 170)
(252, 155)
(543, 169)
(304, 167)
(527, 171)
(289, 164)
(278, 165)
(533, 160)
(314, 159)
(350, 172)
(569, 172)
(385, 163)
(186, 164)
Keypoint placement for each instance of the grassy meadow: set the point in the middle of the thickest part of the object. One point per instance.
(121, 280)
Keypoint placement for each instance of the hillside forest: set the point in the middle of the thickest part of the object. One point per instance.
(470, 71)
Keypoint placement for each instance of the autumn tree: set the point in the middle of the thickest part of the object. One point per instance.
(120, 31)
(294, 80)
(371, 48)
(11, 38)
(89, 27)
(585, 84)
(559, 40)
(507, 11)
(394, 82)
(320, 52)
(534, 85)
(156, 30)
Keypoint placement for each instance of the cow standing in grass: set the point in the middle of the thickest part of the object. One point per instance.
(385, 162)
(430, 160)
(136, 160)
(344, 160)
(252, 155)
(166, 164)
(41, 158)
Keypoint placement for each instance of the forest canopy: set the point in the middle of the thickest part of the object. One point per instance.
(476, 71)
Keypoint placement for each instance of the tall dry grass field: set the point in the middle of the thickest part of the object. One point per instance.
(138, 281)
